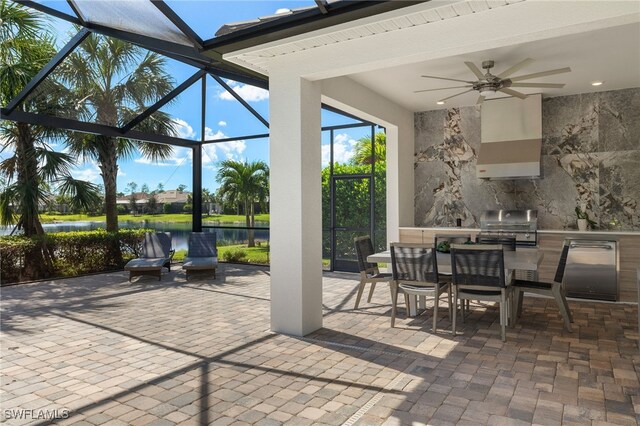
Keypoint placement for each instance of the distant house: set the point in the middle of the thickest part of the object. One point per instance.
(177, 200)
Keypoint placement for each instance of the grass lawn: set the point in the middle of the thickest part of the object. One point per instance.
(253, 254)
(173, 217)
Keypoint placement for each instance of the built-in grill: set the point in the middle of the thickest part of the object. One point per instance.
(521, 224)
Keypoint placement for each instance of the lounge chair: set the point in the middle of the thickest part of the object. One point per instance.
(202, 254)
(156, 254)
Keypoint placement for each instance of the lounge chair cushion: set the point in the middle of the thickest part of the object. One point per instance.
(200, 263)
(146, 264)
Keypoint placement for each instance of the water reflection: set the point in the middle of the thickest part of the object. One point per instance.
(179, 231)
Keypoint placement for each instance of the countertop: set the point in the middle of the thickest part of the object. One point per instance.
(573, 232)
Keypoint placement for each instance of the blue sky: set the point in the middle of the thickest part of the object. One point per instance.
(225, 117)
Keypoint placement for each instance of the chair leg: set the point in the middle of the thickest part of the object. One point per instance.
(394, 300)
(455, 310)
(561, 302)
(436, 302)
(503, 315)
(449, 299)
(373, 287)
(360, 290)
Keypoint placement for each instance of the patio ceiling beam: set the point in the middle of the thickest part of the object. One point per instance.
(237, 138)
(93, 128)
(50, 11)
(162, 102)
(48, 69)
(241, 100)
(178, 22)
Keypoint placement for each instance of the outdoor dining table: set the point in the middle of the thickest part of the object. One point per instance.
(522, 259)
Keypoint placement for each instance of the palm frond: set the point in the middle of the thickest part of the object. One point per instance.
(53, 163)
(7, 198)
(82, 194)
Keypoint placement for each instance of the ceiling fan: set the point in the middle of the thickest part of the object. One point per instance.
(489, 83)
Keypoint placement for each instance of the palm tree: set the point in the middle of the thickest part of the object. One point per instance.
(98, 72)
(363, 155)
(32, 167)
(247, 184)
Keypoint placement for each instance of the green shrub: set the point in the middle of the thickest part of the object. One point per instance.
(187, 208)
(73, 253)
(167, 208)
(234, 255)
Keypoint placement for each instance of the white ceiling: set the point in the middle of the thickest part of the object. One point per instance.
(611, 55)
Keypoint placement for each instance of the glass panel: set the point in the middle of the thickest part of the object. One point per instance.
(352, 219)
(242, 245)
(134, 16)
(227, 117)
(380, 183)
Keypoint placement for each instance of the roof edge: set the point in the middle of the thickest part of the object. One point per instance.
(303, 22)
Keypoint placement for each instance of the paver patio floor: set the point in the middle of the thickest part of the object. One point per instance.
(172, 352)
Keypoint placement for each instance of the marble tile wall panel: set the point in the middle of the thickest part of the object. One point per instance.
(590, 157)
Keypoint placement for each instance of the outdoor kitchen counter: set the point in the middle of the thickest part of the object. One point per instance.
(550, 242)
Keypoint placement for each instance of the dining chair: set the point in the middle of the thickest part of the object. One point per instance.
(415, 272)
(369, 272)
(552, 289)
(478, 274)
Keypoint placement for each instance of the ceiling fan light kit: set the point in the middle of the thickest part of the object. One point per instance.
(488, 84)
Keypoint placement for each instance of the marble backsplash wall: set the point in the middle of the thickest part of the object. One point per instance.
(590, 157)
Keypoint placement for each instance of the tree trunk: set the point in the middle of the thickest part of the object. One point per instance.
(37, 264)
(108, 163)
(247, 215)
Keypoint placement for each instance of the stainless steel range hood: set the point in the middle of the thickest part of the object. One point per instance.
(511, 138)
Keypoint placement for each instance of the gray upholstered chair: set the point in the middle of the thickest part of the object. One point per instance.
(202, 254)
(156, 253)
(478, 274)
(369, 272)
(415, 272)
(554, 289)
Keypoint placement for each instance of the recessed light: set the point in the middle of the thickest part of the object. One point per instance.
(440, 102)
(597, 83)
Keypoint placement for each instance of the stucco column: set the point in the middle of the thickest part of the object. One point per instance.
(296, 204)
(400, 178)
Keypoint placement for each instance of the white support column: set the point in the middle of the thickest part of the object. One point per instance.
(400, 181)
(296, 204)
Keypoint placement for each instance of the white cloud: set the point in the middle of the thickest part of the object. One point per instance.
(222, 123)
(282, 10)
(90, 174)
(179, 157)
(247, 92)
(184, 129)
(343, 149)
(223, 150)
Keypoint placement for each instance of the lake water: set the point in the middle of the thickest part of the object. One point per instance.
(179, 231)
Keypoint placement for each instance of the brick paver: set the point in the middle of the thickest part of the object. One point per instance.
(171, 352)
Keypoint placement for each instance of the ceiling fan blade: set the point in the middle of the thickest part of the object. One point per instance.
(457, 94)
(541, 85)
(474, 69)
(480, 100)
(513, 93)
(441, 88)
(449, 79)
(541, 74)
(517, 67)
